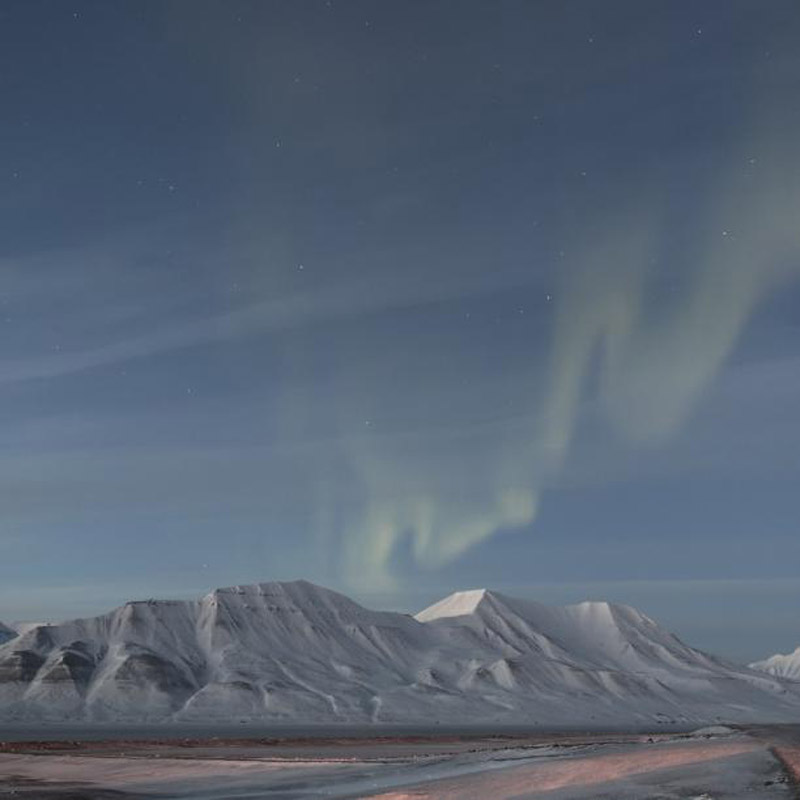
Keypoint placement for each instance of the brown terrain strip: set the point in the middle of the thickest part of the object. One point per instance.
(790, 758)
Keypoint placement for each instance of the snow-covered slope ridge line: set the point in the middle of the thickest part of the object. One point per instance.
(296, 652)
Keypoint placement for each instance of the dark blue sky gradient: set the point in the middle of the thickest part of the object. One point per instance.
(402, 298)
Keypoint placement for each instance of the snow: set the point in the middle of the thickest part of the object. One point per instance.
(455, 605)
(712, 731)
(786, 666)
(296, 652)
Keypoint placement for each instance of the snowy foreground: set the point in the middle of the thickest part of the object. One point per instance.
(297, 653)
(714, 764)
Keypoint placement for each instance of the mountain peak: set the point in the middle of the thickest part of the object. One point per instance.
(457, 604)
(603, 608)
(785, 666)
(298, 592)
(265, 587)
(6, 633)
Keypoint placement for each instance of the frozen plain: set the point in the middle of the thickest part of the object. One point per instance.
(711, 764)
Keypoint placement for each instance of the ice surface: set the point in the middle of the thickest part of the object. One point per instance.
(588, 767)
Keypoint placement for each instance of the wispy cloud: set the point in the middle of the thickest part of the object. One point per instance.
(353, 296)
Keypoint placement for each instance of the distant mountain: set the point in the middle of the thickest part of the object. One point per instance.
(295, 652)
(785, 666)
(6, 633)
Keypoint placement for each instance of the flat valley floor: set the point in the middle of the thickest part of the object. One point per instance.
(752, 763)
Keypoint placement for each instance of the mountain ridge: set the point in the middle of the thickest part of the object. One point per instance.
(294, 651)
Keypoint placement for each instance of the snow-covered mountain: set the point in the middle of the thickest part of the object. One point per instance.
(296, 652)
(595, 660)
(785, 666)
(6, 633)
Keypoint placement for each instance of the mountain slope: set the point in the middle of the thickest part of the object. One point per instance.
(785, 666)
(276, 650)
(297, 652)
(598, 659)
(598, 634)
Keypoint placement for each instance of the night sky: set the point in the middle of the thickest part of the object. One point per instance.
(404, 297)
